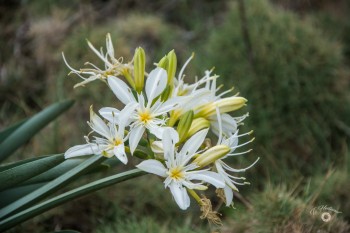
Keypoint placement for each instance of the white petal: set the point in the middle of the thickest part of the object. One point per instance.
(156, 130)
(193, 144)
(80, 150)
(110, 114)
(191, 185)
(207, 176)
(180, 195)
(98, 125)
(156, 83)
(153, 166)
(119, 152)
(121, 90)
(125, 116)
(109, 45)
(167, 106)
(170, 138)
(229, 124)
(135, 136)
(229, 195)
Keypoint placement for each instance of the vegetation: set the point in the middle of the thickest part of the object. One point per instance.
(289, 60)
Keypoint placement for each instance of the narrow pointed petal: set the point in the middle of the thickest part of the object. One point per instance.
(98, 125)
(180, 195)
(153, 166)
(119, 152)
(109, 45)
(156, 130)
(191, 185)
(170, 138)
(135, 136)
(193, 144)
(167, 106)
(156, 83)
(228, 195)
(124, 116)
(207, 176)
(121, 90)
(80, 150)
(110, 114)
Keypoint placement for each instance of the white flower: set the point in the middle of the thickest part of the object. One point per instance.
(177, 171)
(151, 115)
(113, 66)
(222, 168)
(112, 140)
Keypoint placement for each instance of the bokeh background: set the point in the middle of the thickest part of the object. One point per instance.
(290, 59)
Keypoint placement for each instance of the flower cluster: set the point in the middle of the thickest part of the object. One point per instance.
(166, 122)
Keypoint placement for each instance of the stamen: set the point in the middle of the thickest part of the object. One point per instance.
(184, 66)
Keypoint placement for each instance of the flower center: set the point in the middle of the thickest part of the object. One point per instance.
(176, 173)
(117, 142)
(145, 117)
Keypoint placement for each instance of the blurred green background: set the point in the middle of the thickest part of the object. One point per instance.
(290, 59)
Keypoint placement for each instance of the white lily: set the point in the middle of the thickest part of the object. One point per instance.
(151, 115)
(177, 171)
(112, 140)
(222, 168)
(113, 66)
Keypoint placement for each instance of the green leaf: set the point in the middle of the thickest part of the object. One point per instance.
(11, 195)
(30, 127)
(4, 167)
(63, 168)
(18, 174)
(9, 130)
(51, 187)
(22, 216)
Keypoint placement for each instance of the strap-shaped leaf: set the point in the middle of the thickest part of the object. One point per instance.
(30, 127)
(51, 187)
(63, 168)
(4, 167)
(18, 174)
(22, 216)
(10, 195)
(9, 130)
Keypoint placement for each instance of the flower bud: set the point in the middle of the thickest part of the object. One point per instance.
(163, 63)
(197, 125)
(211, 155)
(184, 125)
(171, 67)
(225, 105)
(139, 68)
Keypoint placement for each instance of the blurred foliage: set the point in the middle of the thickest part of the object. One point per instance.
(293, 77)
(294, 74)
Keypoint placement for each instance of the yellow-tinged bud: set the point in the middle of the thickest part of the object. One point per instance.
(231, 104)
(225, 105)
(128, 77)
(211, 155)
(139, 69)
(184, 125)
(197, 125)
(174, 116)
(171, 67)
(163, 63)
